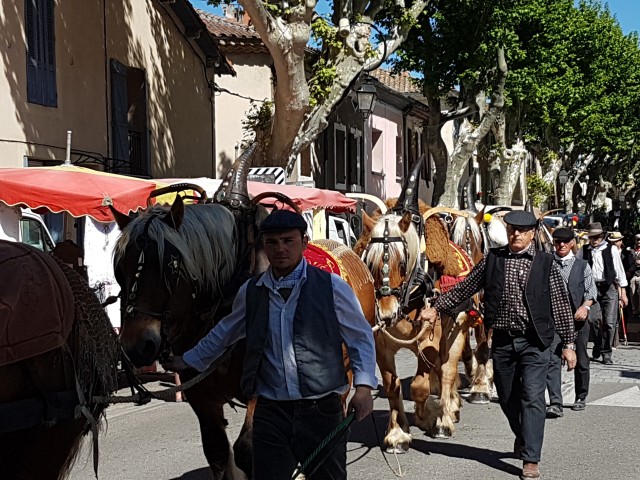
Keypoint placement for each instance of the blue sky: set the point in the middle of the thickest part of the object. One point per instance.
(626, 11)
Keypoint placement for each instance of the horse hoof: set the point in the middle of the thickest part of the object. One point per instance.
(479, 398)
(400, 448)
(442, 432)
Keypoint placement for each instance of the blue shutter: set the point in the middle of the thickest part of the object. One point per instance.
(41, 62)
(119, 110)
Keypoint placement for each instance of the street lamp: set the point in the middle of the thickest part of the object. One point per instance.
(622, 198)
(366, 97)
(563, 178)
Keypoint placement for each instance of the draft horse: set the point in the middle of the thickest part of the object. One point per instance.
(58, 352)
(391, 249)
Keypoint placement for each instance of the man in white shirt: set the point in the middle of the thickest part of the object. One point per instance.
(610, 278)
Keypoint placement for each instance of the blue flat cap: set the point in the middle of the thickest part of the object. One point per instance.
(279, 220)
(563, 234)
(521, 218)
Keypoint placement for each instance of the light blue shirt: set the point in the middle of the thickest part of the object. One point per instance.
(278, 376)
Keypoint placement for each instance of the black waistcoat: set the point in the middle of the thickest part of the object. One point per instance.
(607, 260)
(537, 297)
(316, 337)
(575, 284)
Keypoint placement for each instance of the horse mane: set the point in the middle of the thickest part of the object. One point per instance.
(376, 250)
(496, 233)
(459, 230)
(206, 242)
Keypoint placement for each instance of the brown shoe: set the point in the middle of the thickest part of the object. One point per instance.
(529, 471)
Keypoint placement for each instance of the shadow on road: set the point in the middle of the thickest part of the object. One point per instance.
(199, 474)
(370, 433)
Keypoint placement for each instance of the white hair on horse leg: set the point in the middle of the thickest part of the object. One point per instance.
(497, 233)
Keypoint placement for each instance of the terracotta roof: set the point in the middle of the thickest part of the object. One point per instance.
(232, 36)
(399, 82)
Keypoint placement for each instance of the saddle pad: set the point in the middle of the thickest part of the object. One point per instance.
(322, 259)
(447, 282)
(36, 303)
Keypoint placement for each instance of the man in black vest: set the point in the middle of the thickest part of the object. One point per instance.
(295, 318)
(609, 274)
(582, 294)
(525, 302)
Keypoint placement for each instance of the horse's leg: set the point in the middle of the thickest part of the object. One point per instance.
(243, 447)
(421, 388)
(469, 360)
(397, 438)
(482, 380)
(210, 413)
(449, 380)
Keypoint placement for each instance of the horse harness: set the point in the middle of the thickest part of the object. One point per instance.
(411, 294)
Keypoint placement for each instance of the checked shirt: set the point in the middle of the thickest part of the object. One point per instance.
(512, 314)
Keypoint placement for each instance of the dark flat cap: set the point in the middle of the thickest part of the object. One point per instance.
(520, 218)
(564, 234)
(279, 220)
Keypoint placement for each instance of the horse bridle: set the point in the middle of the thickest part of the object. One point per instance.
(129, 307)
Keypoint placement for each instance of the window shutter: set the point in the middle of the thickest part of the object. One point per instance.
(41, 63)
(119, 108)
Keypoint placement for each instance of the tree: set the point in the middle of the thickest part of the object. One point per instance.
(345, 48)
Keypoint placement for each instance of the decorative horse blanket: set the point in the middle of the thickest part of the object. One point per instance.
(36, 303)
(317, 256)
(447, 282)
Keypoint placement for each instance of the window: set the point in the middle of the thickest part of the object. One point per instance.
(399, 159)
(33, 234)
(377, 151)
(41, 61)
(340, 155)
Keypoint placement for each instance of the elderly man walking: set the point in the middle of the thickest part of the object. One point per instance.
(582, 294)
(610, 279)
(523, 292)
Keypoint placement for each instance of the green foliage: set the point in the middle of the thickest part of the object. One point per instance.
(258, 118)
(321, 82)
(537, 189)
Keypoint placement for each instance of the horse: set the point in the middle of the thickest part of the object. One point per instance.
(390, 247)
(177, 268)
(58, 353)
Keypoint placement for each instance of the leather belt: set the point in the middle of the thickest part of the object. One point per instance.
(513, 333)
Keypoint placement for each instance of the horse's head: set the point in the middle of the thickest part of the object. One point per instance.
(391, 255)
(171, 264)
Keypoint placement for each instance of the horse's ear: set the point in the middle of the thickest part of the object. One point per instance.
(121, 219)
(405, 222)
(174, 217)
(367, 222)
(479, 218)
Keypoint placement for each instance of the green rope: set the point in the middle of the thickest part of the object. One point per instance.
(342, 426)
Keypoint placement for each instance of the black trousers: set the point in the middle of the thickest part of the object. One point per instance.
(285, 433)
(520, 370)
(581, 373)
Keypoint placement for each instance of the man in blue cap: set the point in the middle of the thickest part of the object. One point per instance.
(295, 318)
(523, 292)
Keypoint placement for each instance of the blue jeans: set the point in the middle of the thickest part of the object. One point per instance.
(285, 433)
(520, 372)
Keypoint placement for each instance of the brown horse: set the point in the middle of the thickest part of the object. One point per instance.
(391, 247)
(179, 270)
(57, 352)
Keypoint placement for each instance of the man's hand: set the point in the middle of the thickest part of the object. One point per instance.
(569, 356)
(428, 315)
(175, 364)
(581, 314)
(361, 402)
(624, 301)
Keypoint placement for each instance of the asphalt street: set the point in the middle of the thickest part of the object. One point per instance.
(161, 441)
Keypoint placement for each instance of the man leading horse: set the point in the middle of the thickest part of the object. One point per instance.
(523, 291)
(295, 318)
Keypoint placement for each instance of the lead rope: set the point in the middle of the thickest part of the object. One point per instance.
(398, 473)
(340, 429)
